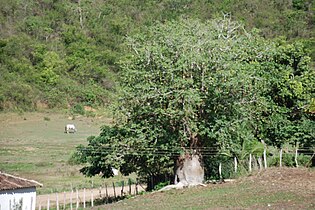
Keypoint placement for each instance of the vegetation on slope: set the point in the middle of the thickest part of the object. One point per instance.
(61, 53)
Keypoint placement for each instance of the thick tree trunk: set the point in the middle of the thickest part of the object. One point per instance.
(190, 171)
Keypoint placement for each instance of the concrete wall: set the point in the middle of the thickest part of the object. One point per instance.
(10, 199)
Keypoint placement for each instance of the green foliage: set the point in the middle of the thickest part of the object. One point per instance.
(55, 98)
(190, 82)
(78, 109)
(188, 85)
(288, 159)
(14, 96)
(51, 43)
(90, 114)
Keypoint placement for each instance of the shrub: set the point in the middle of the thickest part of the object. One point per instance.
(288, 159)
(78, 109)
(21, 96)
(46, 118)
(90, 114)
(304, 160)
(56, 98)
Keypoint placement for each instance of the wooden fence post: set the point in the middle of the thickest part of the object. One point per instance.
(260, 163)
(122, 188)
(57, 201)
(136, 186)
(220, 171)
(106, 193)
(250, 163)
(64, 200)
(296, 155)
(71, 196)
(77, 203)
(265, 157)
(84, 198)
(254, 163)
(235, 165)
(114, 190)
(281, 157)
(92, 198)
(48, 203)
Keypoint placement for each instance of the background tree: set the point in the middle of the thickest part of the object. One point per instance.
(88, 37)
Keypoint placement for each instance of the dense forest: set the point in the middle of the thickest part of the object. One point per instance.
(65, 54)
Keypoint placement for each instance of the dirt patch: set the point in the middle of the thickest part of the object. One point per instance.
(89, 109)
(294, 186)
(299, 180)
(30, 149)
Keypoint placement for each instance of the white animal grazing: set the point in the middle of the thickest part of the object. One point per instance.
(70, 128)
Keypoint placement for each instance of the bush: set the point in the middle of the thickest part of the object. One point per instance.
(19, 96)
(90, 114)
(304, 160)
(56, 98)
(78, 109)
(46, 118)
(288, 159)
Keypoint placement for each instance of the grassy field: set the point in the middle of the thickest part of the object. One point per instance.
(34, 146)
(274, 188)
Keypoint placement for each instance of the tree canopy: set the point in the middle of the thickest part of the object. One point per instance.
(207, 88)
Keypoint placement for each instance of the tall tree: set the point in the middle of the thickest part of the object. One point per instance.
(189, 89)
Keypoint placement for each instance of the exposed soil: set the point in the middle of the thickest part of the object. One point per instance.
(299, 181)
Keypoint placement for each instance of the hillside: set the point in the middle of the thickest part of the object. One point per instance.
(59, 54)
(274, 188)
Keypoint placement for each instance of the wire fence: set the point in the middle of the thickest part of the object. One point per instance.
(83, 198)
(160, 151)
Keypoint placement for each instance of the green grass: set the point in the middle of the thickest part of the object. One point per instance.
(227, 196)
(36, 148)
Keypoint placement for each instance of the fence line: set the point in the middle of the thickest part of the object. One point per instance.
(252, 162)
(81, 198)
